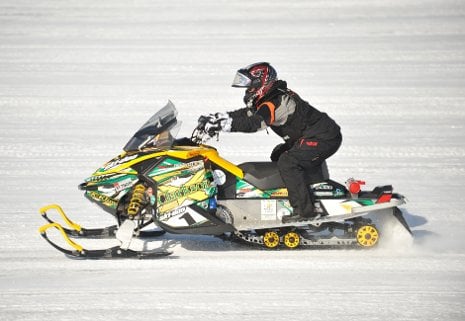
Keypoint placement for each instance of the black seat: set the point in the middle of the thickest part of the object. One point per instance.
(265, 175)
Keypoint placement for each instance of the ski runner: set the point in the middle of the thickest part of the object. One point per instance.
(310, 136)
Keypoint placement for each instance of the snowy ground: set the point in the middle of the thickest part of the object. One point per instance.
(77, 78)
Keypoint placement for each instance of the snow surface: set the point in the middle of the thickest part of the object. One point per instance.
(77, 78)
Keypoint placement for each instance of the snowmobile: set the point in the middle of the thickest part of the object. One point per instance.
(183, 186)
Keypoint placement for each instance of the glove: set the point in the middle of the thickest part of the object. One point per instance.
(202, 121)
(214, 123)
(278, 150)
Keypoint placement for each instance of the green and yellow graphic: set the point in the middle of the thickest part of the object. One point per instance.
(181, 184)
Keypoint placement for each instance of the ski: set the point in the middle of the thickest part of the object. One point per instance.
(110, 253)
(76, 230)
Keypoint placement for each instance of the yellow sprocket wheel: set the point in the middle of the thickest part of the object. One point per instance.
(367, 236)
(291, 240)
(271, 239)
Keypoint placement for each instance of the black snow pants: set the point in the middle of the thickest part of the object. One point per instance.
(298, 164)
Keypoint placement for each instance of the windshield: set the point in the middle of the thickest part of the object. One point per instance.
(159, 131)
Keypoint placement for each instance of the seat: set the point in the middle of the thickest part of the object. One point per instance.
(265, 175)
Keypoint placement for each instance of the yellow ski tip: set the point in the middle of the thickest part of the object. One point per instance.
(43, 211)
(43, 231)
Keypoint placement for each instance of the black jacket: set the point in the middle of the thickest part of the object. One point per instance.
(287, 114)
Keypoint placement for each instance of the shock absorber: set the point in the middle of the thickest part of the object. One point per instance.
(137, 199)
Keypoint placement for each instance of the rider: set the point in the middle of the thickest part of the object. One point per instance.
(310, 136)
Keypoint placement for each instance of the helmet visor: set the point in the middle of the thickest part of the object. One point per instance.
(241, 80)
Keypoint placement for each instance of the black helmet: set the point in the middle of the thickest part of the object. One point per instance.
(257, 78)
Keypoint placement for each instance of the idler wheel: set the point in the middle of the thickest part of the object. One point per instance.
(292, 240)
(367, 236)
(271, 239)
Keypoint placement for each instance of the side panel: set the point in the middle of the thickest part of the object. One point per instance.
(107, 190)
(181, 184)
(257, 213)
(193, 220)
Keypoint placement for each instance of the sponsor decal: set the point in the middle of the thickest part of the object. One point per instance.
(175, 212)
(169, 165)
(322, 187)
(309, 143)
(184, 217)
(279, 193)
(168, 169)
(99, 178)
(119, 162)
(105, 200)
(268, 210)
(122, 185)
(323, 193)
(182, 192)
